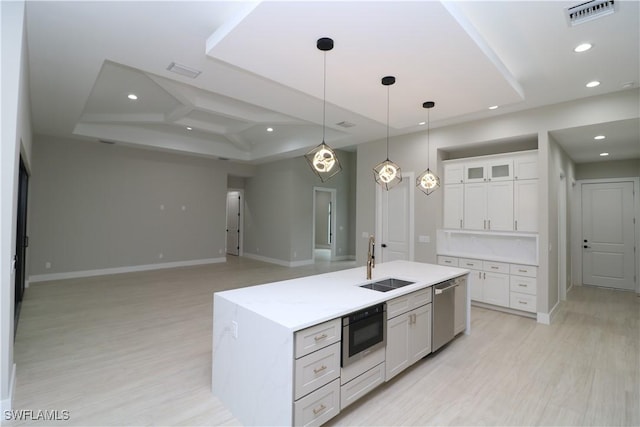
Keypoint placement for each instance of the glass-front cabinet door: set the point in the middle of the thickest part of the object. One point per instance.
(500, 170)
(475, 172)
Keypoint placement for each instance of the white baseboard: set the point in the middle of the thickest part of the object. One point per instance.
(7, 404)
(279, 261)
(344, 258)
(118, 270)
(547, 318)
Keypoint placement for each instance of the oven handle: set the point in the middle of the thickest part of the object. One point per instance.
(438, 291)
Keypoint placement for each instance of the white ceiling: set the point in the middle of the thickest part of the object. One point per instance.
(261, 68)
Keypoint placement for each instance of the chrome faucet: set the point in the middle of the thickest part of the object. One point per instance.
(371, 257)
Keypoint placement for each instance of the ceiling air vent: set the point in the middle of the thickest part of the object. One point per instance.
(346, 124)
(104, 141)
(183, 70)
(589, 11)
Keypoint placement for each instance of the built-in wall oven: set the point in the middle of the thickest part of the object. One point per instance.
(363, 331)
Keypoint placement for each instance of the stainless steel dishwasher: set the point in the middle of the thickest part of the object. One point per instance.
(443, 313)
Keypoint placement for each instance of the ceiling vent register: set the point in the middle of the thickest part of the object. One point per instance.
(588, 11)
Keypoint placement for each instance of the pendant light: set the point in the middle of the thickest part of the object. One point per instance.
(322, 159)
(387, 173)
(428, 181)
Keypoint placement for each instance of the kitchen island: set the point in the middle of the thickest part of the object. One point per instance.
(264, 337)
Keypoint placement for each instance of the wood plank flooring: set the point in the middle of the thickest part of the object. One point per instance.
(135, 349)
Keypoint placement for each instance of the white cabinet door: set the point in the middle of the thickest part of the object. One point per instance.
(453, 173)
(525, 166)
(476, 285)
(453, 206)
(500, 206)
(526, 205)
(475, 206)
(500, 170)
(496, 289)
(420, 333)
(475, 172)
(460, 308)
(397, 351)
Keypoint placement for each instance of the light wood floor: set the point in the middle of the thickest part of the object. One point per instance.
(135, 349)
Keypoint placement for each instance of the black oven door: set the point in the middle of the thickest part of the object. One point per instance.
(366, 333)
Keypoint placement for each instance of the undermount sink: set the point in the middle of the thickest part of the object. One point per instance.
(386, 285)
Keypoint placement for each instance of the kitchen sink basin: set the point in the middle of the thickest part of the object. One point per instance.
(386, 285)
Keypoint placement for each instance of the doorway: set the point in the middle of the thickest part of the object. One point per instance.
(608, 234)
(22, 241)
(234, 222)
(395, 221)
(324, 223)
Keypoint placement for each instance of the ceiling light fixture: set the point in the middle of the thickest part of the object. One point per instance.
(132, 96)
(599, 137)
(593, 83)
(322, 159)
(582, 47)
(269, 129)
(604, 154)
(189, 128)
(493, 107)
(427, 181)
(387, 173)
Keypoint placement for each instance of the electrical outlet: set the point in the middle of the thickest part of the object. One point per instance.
(160, 255)
(424, 239)
(47, 265)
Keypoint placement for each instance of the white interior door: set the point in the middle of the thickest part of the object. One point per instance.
(233, 222)
(395, 221)
(608, 235)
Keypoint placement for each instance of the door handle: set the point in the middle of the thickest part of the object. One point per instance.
(384, 245)
(587, 247)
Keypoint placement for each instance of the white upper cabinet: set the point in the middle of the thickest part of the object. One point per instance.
(501, 170)
(453, 206)
(453, 173)
(525, 166)
(475, 172)
(500, 206)
(526, 205)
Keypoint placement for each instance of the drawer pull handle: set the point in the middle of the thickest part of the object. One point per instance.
(320, 337)
(320, 369)
(522, 285)
(469, 265)
(448, 262)
(522, 271)
(319, 409)
(522, 302)
(493, 267)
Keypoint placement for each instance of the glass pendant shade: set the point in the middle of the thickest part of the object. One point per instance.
(427, 181)
(323, 161)
(387, 174)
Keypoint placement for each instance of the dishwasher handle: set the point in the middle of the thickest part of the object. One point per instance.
(438, 291)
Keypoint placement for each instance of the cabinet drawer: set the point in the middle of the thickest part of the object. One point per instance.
(408, 302)
(317, 337)
(525, 285)
(473, 264)
(524, 302)
(318, 407)
(361, 385)
(448, 260)
(495, 267)
(524, 270)
(316, 369)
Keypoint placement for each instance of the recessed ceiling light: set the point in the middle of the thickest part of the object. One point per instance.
(582, 47)
(593, 83)
(269, 129)
(132, 96)
(493, 107)
(189, 128)
(599, 137)
(604, 154)
(422, 123)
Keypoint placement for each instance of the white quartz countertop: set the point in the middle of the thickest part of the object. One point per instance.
(300, 303)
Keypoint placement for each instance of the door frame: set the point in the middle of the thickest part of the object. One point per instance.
(410, 177)
(240, 222)
(576, 246)
(562, 237)
(334, 210)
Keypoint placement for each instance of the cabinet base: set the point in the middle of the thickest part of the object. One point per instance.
(503, 309)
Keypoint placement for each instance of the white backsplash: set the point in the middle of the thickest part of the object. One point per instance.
(517, 248)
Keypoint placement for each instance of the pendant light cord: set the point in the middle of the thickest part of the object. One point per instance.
(428, 130)
(324, 96)
(387, 122)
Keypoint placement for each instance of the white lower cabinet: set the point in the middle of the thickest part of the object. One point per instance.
(408, 336)
(361, 385)
(498, 283)
(460, 313)
(318, 407)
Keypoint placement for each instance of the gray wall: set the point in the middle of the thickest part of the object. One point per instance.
(611, 169)
(279, 210)
(98, 206)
